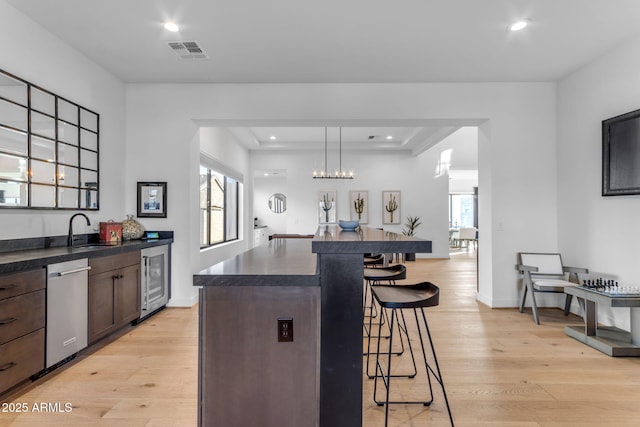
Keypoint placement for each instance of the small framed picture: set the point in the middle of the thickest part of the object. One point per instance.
(391, 207)
(359, 201)
(152, 199)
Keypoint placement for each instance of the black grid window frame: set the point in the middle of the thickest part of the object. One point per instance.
(225, 213)
(84, 199)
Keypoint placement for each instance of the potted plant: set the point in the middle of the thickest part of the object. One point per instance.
(412, 223)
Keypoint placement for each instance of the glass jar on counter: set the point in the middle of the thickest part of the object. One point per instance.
(131, 229)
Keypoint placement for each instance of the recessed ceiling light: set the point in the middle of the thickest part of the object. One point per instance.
(519, 25)
(389, 137)
(171, 26)
(272, 137)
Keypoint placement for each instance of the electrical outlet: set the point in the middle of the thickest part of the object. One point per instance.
(285, 329)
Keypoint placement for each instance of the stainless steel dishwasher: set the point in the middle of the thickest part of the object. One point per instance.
(67, 310)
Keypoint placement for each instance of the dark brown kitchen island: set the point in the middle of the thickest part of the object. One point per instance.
(246, 375)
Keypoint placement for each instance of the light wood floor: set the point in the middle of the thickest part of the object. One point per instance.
(499, 368)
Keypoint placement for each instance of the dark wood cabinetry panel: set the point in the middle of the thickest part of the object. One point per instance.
(113, 262)
(21, 315)
(22, 321)
(246, 363)
(114, 293)
(21, 283)
(21, 358)
(128, 295)
(101, 305)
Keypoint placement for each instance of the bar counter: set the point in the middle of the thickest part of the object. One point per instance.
(246, 376)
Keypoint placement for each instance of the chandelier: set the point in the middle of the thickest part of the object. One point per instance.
(338, 173)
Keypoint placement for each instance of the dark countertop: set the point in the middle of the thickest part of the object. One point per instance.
(332, 239)
(28, 259)
(282, 262)
(293, 262)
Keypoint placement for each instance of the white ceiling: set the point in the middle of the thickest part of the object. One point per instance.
(330, 41)
(412, 140)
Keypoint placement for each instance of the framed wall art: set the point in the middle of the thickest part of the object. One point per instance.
(327, 208)
(359, 202)
(152, 199)
(391, 207)
(621, 154)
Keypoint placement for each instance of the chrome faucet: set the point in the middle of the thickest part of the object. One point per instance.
(70, 235)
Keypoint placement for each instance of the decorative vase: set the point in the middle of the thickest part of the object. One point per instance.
(131, 229)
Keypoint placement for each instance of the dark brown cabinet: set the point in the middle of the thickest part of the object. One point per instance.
(22, 323)
(114, 293)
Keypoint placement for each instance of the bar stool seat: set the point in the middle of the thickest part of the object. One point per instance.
(373, 260)
(400, 298)
(394, 272)
(381, 274)
(424, 294)
(374, 276)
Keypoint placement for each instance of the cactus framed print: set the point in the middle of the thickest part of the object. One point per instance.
(391, 207)
(327, 208)
(359, 202)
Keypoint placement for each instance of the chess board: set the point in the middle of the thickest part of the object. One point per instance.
(611, 288)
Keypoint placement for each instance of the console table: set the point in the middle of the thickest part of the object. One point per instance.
(607, 339)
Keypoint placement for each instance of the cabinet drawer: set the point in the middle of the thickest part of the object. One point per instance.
(21, 283)
(113, 262)
(21, 315)
(21, 358)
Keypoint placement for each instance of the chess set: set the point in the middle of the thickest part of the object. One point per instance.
(610, 287)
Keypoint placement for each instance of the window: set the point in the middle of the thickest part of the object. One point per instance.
(218, 207)
(461, 210)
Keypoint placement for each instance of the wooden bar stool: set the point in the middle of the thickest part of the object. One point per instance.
(399, 298)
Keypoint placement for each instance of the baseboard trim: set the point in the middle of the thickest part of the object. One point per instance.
(183, 302)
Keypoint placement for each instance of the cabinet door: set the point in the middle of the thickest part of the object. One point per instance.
(101, 304)
(128, 295)
(21, 358)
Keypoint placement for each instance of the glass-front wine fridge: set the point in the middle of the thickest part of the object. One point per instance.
(155, 279)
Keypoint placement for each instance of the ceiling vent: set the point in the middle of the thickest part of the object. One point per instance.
(188, 50)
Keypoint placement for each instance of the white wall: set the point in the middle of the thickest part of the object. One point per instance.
(263, 189)
(517, 121)
(422, 194)
(597, 232)
(463, 173)
(30, 52)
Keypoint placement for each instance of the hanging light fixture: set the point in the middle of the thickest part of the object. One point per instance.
(339, 173)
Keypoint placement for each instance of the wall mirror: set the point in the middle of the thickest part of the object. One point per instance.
(278, 203)
(48, 149)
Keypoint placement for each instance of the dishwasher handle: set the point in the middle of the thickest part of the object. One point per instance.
(76, 270)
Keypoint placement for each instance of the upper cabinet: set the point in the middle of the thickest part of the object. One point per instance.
(48, 149)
